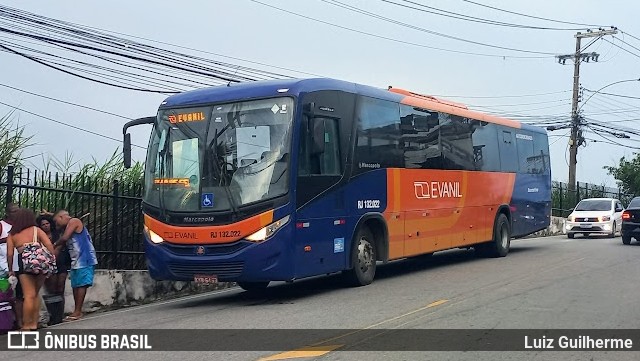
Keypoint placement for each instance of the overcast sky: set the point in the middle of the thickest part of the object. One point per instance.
(247, 30)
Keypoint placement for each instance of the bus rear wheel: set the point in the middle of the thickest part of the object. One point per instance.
(253, 286)
(363, 259)
(499, 247)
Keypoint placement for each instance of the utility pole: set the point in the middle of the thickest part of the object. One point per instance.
(576, 133)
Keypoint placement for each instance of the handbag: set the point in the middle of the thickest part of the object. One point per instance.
(36, 259)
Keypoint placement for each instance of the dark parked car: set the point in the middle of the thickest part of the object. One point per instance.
(631, 221)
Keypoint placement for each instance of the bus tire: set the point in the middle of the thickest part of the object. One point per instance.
(499, 247)
(253, 286)
(626, 240)
(363, 259)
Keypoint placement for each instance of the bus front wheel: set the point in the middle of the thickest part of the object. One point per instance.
(363, 259)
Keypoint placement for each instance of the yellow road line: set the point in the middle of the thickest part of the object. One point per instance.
(316, 350)
(433, 304)
(312, 351)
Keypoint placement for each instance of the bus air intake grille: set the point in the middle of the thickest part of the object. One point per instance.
(222, 270)
(217, 250)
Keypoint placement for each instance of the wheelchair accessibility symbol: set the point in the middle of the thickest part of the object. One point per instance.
(207, 199)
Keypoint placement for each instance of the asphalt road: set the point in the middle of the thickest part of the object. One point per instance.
(544, 283)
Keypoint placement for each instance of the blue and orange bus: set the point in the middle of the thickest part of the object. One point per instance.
(282, 180)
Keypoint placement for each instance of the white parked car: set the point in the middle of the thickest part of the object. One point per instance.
(595, 216)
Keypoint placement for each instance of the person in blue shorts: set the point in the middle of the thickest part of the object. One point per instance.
(83, 257)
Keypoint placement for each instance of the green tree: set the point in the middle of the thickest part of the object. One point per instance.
(627, 173)
(13, 141)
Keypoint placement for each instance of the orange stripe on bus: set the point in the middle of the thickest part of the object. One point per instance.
(209, 234)
(444, 209)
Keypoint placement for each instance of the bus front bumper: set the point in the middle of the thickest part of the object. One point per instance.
(233, 262)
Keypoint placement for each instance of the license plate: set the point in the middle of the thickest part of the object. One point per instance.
(205, 279)
(585, 225)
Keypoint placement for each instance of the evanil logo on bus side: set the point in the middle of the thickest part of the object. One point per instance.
(436, 189)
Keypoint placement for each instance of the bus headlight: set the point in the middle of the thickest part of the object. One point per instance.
(153, 236)
(268, 231)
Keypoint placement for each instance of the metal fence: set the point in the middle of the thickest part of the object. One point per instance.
(564, 200)
(112, 209)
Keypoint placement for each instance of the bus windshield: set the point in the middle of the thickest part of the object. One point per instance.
(219, 157)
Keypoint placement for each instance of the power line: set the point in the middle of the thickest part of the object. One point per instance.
(624, 42)
(393, 39)
(552, 143)
(529, 110)
(146, 80)
(626, 33)
(69, 125)
(76, 38)
(222, 76)
(66, 102)
(613, 141)
(516, 104)
(414, 27)
(611, 94)
(74, 32)
(531, 16)
(613, 104)
(185, 47)
(455, 15)
(619, 120)
(500, 96)
(78, 75)
(618, 46)
(618, 132)
(202, 51)
(513, 113)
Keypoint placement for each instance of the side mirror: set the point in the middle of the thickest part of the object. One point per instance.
(126, 149)
(317, 136)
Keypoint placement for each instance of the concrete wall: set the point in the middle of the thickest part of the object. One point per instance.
(556, 227)
(115, 289)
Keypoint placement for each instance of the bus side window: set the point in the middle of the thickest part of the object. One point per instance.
(541, 152)
(526, 156)
(327, 162)
(508, 151)
(377, 135)
(421, 138)
(456, 142)
(486, 150)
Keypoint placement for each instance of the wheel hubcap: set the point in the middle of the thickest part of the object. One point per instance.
(504, 236)
(365, 255)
